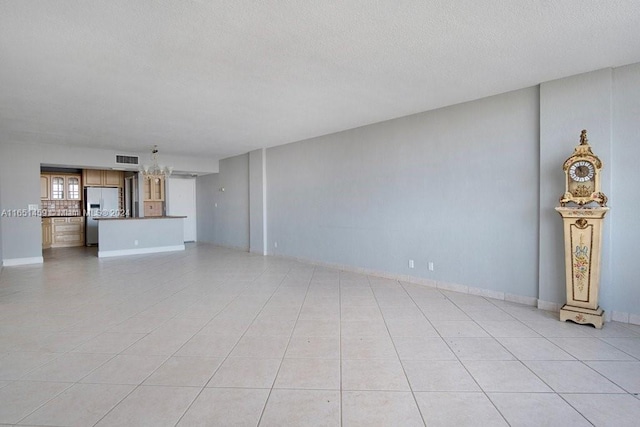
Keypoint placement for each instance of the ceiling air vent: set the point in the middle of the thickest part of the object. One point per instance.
(126, 160)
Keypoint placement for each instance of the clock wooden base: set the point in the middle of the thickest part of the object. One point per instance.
(584, 316)
(582, 244)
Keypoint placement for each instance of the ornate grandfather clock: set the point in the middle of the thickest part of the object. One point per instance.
(582, 207)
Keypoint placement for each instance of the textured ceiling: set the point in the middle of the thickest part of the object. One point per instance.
(220, 78)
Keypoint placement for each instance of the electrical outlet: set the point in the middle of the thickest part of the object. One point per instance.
(411, 265)
(275, 244)
(430, 266)
(135, 243)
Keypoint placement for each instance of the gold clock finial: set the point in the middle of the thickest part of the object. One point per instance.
(583, 137)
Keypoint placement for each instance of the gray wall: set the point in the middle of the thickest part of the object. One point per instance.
(625, 200)
(566, 107)
(20, 177)
(231, 225)
(1, 220)
(257, 193)
(139, 234)
(470, 188)
(455, 186)
(206, 191)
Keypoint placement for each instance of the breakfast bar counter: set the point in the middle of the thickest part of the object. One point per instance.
(132, 236)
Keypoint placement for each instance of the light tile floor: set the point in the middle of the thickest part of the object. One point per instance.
(217, 337)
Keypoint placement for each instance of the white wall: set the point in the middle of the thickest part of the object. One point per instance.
(455, 186)
(181, 201)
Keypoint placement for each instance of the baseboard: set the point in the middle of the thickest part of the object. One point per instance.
(140, 251)
(622, 317)
(235, 248)
(549, 306)
(455, 287)
(22, 261)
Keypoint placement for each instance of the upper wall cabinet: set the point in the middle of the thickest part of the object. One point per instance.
(153, 190)
(102, 178)
(92, 177)
(45, 183)
(58, 191)
(60, 187)
(72, 185)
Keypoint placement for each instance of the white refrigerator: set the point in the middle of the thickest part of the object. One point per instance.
(100, 202)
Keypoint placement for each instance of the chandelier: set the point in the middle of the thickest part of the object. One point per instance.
(156, 172)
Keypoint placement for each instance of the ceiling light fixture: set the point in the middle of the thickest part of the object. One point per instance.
(155, 171)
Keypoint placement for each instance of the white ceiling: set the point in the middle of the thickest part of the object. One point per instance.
(220, 78)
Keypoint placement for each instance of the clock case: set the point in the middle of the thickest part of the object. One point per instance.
(582, 238)
(587, 191)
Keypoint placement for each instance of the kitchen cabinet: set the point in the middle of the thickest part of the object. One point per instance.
(102, 178)
(92, 177)
(44, 187)
(113, 178)
(72, 186)
(153, 209)
(60, 232)
(60, 187)
(154, 190)
(47, 233)
(67, 231)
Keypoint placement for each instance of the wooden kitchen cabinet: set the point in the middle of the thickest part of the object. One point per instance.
(73, 188)
(47, 233)
(92, 177)
(102, 178)
(113, 178)
(60, 187)
(67, 231)
(62, 232)
(154, 190)
(45, 183)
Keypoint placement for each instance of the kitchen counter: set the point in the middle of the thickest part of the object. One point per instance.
(119, 236)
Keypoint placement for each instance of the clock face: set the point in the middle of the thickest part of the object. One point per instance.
(581, 171)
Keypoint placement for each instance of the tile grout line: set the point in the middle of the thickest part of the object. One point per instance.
(231, 350)
(137, 386)
(452, 351)
(404, 371)
(275, 378)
